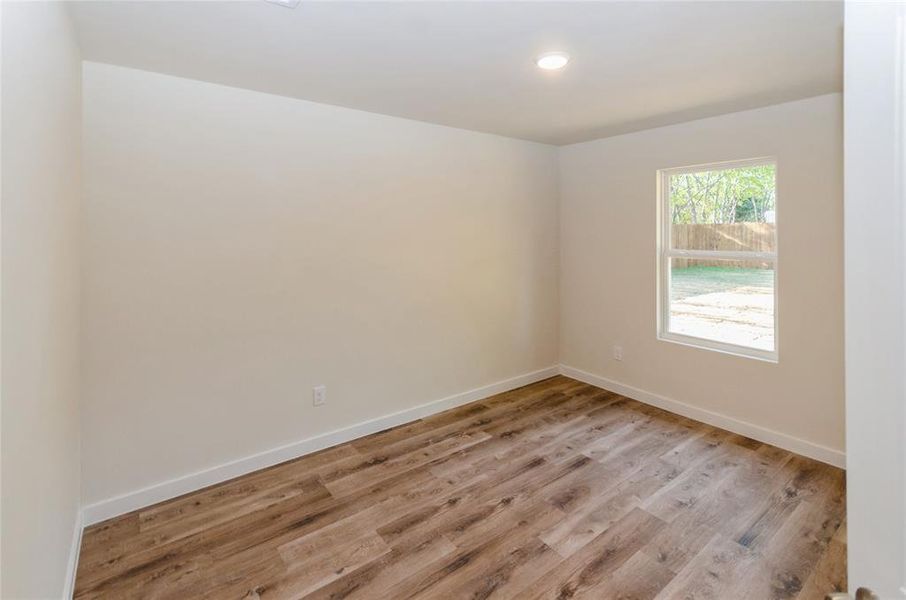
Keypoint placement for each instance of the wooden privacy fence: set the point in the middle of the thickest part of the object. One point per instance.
(735, 237)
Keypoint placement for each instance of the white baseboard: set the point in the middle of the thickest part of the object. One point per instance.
(112, 507)
(756, 432)
(72, 565)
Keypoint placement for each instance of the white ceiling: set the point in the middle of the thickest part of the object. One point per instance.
(635, 65)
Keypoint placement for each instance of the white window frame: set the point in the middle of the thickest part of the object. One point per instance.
(665, 253)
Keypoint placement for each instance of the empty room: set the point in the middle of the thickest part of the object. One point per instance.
(452, 299)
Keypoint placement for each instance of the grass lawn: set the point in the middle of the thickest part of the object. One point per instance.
(695, 281)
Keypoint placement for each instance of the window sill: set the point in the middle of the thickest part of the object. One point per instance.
(714, 346)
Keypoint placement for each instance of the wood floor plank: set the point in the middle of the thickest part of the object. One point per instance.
(554, 490)
(792, 554)
(375, 579)
(696, 447)
(593, 510)
(695, 483)
(520, 399)
(529, 433)
(800, 480)
(309, 568)
(586, 572)
(678, 543)
(236, 577)
(829, 575)
(639, 578)
(479, 547)
(713, 573)
(286, 520)
(370, 472)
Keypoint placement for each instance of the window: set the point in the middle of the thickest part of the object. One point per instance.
(717, 269)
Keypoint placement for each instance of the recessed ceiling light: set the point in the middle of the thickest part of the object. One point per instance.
(552, 61)
(286, 3)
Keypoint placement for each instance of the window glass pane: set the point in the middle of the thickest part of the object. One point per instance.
(723, 300)
(724, 209)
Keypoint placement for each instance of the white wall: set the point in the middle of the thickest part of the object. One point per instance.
(242, 247)
(40, 268)
(609, 258)
(875, 296)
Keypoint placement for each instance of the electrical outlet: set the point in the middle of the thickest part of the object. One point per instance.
(618, 352)
(319, 395)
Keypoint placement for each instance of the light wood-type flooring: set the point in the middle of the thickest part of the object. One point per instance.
(555, 490)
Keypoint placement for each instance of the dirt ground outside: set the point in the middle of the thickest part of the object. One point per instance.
(726, 304)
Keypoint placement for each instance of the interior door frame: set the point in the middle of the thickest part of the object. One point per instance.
(875, 293)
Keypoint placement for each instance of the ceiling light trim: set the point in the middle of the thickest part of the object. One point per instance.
(552, 61)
